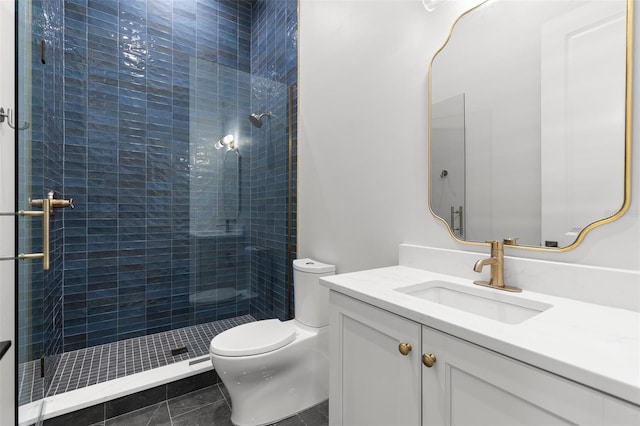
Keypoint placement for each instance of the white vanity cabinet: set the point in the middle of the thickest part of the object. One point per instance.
(470, 385)
(373, 383)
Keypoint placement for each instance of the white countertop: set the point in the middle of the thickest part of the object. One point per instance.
(598, 346)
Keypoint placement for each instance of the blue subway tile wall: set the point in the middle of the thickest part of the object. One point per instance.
(125, 120)
(274, 89)
(137, 268)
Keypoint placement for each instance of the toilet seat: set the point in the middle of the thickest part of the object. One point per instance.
(253, 338)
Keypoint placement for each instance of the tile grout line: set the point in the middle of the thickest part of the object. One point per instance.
(82, 367)
(164, 344)
(193, 338)
(108, 371)
(33, 380)
(75, 359)
(56, 375)
(20, 380)
(155, 351)
(97, 375)
(93, 352)
(141, 356)
(148, 352)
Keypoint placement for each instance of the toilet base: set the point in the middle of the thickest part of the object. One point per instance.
(237, 422)
(269, 387)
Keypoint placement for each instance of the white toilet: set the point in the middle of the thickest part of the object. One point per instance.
(273, 369)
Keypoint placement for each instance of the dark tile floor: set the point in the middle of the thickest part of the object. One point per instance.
(208, 406)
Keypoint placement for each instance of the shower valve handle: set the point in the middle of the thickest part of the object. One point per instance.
(53, 203)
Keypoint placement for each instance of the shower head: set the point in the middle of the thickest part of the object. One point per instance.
(256, 119)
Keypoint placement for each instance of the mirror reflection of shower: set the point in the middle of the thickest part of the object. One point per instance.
(256, 119)
(448, 153)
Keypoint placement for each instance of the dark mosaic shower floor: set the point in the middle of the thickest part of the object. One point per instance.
(98, 364)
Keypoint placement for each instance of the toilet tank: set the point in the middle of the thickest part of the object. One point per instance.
(311, 298)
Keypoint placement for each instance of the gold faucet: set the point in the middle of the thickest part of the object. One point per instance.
(497, 268)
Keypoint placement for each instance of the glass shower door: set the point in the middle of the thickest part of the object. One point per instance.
(38, 122)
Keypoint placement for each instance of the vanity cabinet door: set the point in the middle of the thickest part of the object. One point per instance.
(373, 379)
(469, 385)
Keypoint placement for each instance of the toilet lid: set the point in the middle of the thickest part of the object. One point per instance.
(253, 338)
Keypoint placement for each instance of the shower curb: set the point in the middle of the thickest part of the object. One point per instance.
(102, 401)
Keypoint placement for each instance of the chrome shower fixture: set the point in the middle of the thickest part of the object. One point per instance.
(256, 119)
(226, 141)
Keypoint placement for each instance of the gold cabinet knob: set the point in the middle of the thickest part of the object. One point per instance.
(428, 360)
(404, 348)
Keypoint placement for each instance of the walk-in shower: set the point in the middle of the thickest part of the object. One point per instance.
(168, 232)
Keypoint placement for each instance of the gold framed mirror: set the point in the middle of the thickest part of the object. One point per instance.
(530, 121)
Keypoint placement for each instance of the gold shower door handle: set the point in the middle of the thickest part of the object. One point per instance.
(46, 217)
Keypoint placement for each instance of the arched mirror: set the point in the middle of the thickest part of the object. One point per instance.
(529, 121)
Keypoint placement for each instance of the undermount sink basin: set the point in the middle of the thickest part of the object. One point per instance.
(489, 303)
